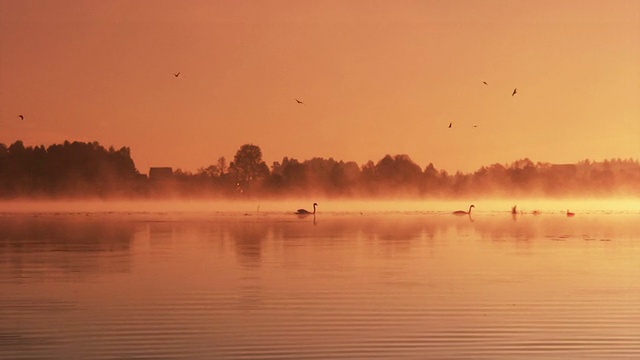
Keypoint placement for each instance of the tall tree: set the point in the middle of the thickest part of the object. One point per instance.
(247, 166)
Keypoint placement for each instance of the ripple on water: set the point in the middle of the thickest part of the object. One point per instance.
(426, 286)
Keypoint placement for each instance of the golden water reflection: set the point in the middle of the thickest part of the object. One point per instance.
(385, 285)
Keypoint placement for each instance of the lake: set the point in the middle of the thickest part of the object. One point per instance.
(265, 284)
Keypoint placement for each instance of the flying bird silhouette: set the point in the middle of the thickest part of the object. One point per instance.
(515, 91)
(299, 102)
(21, 117)
(450, 124)
(176, 74)
(484, 82)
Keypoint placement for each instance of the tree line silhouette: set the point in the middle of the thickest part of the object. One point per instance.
(80, 169)
(69, 169)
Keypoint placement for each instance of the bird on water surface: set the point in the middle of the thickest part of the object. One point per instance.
(515, 91)
(299, 102)
(462, 212)
(307, 212)
(21, 117)
(570, 214)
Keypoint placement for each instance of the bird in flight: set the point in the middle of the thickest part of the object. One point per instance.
(21, 117)
(515, 91)
(484, 82)
(450, 124)
(176, 74)
(299, 102)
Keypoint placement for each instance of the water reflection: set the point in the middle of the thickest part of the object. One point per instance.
(160, 233)
(556, 227)
(42, 247)
(249, 238)
(401, 285)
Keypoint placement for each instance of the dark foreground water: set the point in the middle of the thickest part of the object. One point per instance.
(342, 285)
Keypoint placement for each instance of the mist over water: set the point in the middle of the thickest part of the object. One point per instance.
(388, 280)
(252, 207)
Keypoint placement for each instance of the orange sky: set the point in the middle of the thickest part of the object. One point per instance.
(377, 77)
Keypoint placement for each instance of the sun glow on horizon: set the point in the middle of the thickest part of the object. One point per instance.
(385, 80)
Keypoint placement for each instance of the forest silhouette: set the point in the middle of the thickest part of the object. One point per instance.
(78, 169)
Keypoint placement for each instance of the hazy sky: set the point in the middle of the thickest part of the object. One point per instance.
(376, 77)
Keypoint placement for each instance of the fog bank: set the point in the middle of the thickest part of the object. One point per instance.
(327, 206)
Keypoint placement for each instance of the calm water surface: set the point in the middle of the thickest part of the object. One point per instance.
(342, 285)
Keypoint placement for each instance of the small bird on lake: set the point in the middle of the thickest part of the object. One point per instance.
(484, 82)
(299, 102)
(450, 124)
(570, 214)
(176, 74)
(515, 91)
(21, 117)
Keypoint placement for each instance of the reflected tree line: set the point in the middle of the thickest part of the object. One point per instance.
(88, 169)
(33, 247)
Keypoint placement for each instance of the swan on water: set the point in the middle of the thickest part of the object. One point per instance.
(462, 212)
(307, 212)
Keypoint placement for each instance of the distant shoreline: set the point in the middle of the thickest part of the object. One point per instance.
(77, 170)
